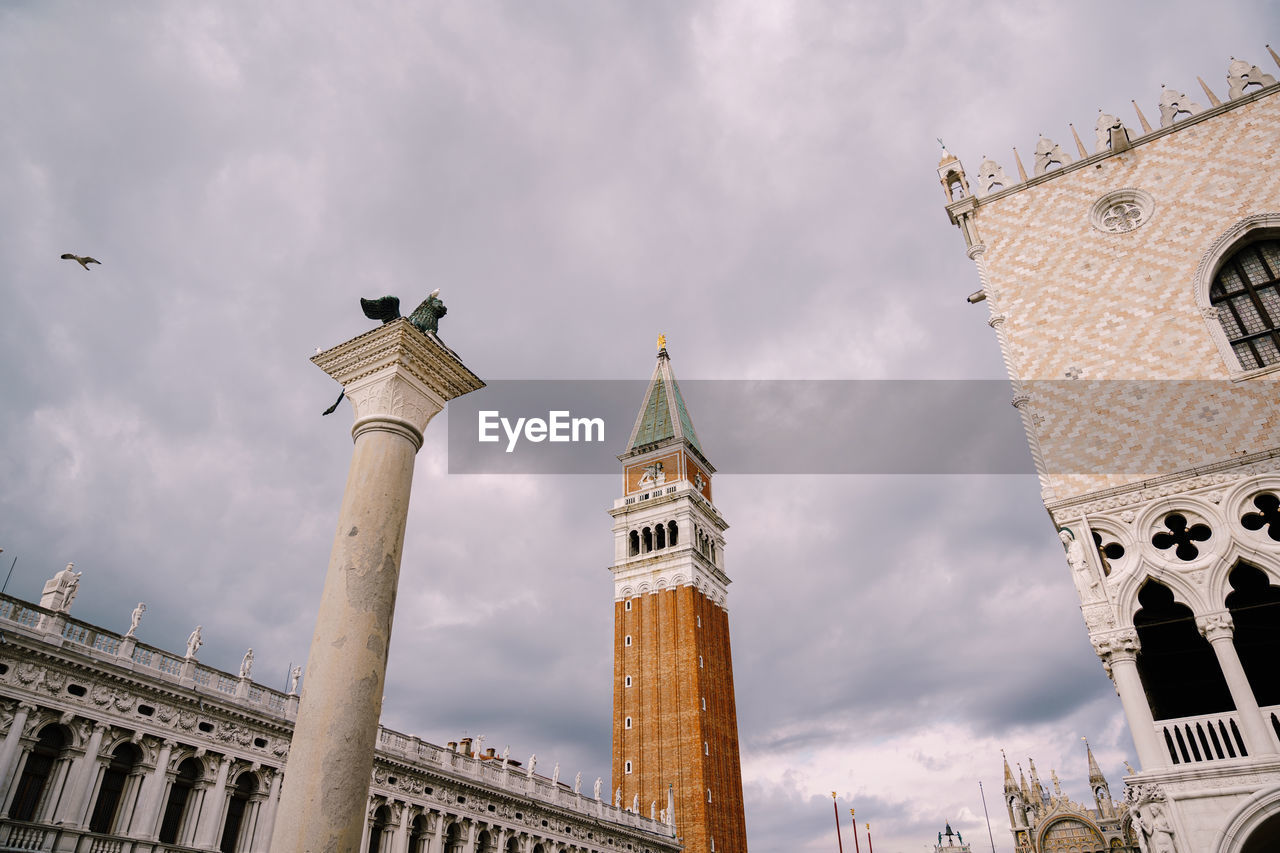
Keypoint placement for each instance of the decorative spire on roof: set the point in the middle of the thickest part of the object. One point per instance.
(1009, 785)
(664, 418)
(1095, 772)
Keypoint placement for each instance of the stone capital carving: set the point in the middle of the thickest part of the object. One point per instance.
(1117, 645)
(1216, 625)
(397, 374)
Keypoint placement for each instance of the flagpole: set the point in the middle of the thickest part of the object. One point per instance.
(836, 809)
(869, 850)
(854, 821)
(988, 817)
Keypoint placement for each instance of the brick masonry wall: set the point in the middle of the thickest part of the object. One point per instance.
(1109, 306)
(674, 664)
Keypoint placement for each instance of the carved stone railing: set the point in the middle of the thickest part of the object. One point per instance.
(1271, 715)
(1209, 737)
(16, 835)
(108, 646)
(489, 772)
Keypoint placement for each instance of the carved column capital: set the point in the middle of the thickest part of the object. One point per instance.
(397, 377)
(1117, 646)
(995, 321)
(975, 250)
(1216, 625)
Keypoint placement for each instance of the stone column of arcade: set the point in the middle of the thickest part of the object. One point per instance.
(397, 378)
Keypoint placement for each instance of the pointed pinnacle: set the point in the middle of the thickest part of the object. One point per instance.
(1146, 128)
(1213, 99)
(1022, 173)
(1076, 137)
(1273, 55)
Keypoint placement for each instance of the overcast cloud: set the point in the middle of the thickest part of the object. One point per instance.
(755, 180)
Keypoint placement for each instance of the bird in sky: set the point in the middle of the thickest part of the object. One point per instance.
(83, 261)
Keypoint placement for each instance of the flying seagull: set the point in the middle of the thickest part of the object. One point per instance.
(82, 261)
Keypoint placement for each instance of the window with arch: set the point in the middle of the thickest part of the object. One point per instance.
(627, 723)
(700, 664)
(633, 540)
(48, 750)
(706, 749)
(627, 681)
(178, 821)
(660, 536)
(627, 641)
(1254, 603)
(124, 764)
(418, 835)
(628, 606)
(1246, 294)
(673, 533)
(627, 767)
(704, 703)
(646, 536)
(1179, 669)
(234, 826)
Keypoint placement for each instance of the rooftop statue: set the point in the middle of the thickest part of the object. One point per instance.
(425, 318)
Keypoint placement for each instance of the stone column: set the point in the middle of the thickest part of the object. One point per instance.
(9, 750)
(1119, 653)
(151, 797)
(211, 810)
(400, 841)
(83, 774)
(1218, 628)
(262, 839)
(437, 846)
(397, 378)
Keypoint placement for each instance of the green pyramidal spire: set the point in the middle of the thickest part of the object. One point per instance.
(663, 418)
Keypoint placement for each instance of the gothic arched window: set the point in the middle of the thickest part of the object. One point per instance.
(1246, 295)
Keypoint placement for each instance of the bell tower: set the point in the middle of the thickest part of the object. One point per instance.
(675, 725)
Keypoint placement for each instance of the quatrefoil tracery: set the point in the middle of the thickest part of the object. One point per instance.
(1181, 536)
(1268, 515)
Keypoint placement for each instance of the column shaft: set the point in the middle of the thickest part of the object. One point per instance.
(83, 774)
(152, 796)
(211, 811)
(1151, 752)
(262, 840)
(1252, 725)
(331, 759)
(9, 751)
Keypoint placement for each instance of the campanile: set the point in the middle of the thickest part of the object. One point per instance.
(675, 725)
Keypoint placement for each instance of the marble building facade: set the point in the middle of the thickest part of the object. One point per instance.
(109, 745)
(1134, 292)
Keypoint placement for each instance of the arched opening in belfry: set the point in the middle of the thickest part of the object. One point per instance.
(237, 804)
(634, 540)
(660, 536)
(673, 533)
(124, 763)
(178, 805)
(1255, 609)
(48, 749)
(647, 537)
(1180, 672)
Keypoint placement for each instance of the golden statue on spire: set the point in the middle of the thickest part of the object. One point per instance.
(662, 341)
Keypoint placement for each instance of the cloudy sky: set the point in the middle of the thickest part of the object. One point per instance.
(755, 180)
